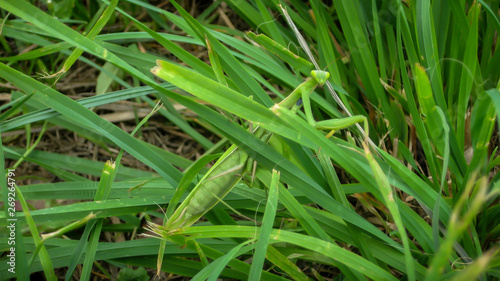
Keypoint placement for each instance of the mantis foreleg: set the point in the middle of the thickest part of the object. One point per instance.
(304, 91)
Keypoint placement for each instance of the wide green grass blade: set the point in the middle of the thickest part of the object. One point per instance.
(71, 163)
(108, 208)
(213, 253)
(437, 128)
(61, 250)
(93, 101)
(312, 226)
(322, 247)
(85, 190)
(378, 40)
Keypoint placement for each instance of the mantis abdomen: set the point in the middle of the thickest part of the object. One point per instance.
(210, 190)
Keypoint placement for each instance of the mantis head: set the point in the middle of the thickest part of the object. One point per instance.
(320, 76)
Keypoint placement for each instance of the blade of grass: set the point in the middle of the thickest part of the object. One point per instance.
(48, 267)
(102, 193)
(340, 196)
(224, 260)
(470, 61)
(213, 270)
(269, 24)
(284, 263)
(15, 105)
(99, 25)
(426, 39)
(265, 232)
(79, 249)
(307, 221)
(236, 264)
(390, 202)
(70, 163)
(322, 247)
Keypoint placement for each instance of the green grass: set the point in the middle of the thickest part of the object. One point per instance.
(418, 200)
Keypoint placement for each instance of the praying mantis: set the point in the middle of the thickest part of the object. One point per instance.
(235, 162)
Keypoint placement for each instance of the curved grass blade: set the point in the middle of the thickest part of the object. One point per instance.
(330, 250)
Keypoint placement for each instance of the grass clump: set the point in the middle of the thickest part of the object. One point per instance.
(410, 194)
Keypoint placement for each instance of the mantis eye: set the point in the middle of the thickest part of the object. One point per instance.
(320, 75)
